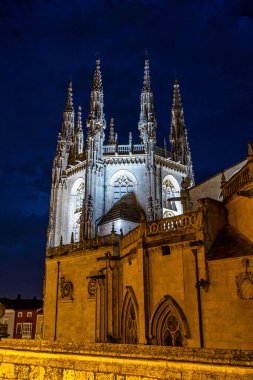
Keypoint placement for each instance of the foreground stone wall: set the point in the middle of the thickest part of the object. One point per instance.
(44, 360)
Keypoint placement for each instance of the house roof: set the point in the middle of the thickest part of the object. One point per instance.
(124, 211)
(21, 304)
(230, 243)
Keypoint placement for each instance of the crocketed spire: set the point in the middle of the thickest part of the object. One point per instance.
(147, 124)
(178, 134)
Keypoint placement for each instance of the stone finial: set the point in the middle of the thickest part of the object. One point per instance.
(69, 102)
(250, 152)
(223, 178)
(111, 132)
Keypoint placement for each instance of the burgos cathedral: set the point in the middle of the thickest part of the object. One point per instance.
(136, 252)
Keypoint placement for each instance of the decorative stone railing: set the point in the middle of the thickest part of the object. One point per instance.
(177, 223)
(239, 179)
(172, 224)
(85, 244)
(123, 149)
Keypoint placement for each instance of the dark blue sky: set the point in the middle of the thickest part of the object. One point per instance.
(206, 44)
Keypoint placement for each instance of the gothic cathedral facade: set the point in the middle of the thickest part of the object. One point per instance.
(131, 256)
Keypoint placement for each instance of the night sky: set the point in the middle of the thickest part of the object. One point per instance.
(206, 44)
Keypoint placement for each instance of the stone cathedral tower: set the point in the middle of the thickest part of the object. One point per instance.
(133, 254)
(99, 186)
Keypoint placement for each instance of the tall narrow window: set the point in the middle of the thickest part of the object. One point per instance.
(79, 197)
(131, 325)
(169, 192)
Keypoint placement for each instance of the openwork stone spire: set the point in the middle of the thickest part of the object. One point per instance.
(79, 132)
(68, 116)
(178, 134)
(69, 103)
(147, 124)
(96, 119)
(112, 134)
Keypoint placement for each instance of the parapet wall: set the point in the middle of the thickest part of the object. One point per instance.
(44, 360)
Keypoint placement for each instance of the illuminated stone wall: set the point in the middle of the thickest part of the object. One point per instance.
(43, 360)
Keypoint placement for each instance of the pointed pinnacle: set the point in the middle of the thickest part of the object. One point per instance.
(111, 134)
(146, 81)
(97, 83)
(69, 102)
(176, 96)
(79, 119)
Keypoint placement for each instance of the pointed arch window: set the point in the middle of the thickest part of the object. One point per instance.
(123, 188)
(171, 334)
(169, 192)
(131, 325)
(79, 197)
(169, 326)
(130, 318)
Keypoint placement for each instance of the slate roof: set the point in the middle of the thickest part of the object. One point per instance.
(21, 304)
(124, 211)
(230, 243)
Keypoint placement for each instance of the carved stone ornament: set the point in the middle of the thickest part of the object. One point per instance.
(66, 288)
(244, 283)
(92, 288)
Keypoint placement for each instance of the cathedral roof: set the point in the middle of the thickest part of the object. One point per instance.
(230, 243)
(124, 211)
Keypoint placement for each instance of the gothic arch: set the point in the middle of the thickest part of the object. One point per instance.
(129, 320)
(123, 185)
(170, 189)
(120, 173)
(168, 324)
(75, 205)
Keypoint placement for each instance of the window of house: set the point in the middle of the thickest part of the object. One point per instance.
(27, 330)
(20, 314)
(123, 188)
(18, 328)
(169, 192)
(29, 314)
(79, 197)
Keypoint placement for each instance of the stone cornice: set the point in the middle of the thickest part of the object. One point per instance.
(73, 169)
(119, 160)
(168, 163)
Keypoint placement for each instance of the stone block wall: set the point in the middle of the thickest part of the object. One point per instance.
(44, 360)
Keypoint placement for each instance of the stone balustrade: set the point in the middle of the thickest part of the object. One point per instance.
(239, 179)
(85, 244)
(172, 224)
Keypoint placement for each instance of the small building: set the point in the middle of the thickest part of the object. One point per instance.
(21, 317)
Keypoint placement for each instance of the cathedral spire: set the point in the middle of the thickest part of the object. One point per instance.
(97, 82)
(79, 132)
(178, 134)
(68, 116)
(146, 81)
(112, 134)
(69, 102)
(96, 119)
(147, 124)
